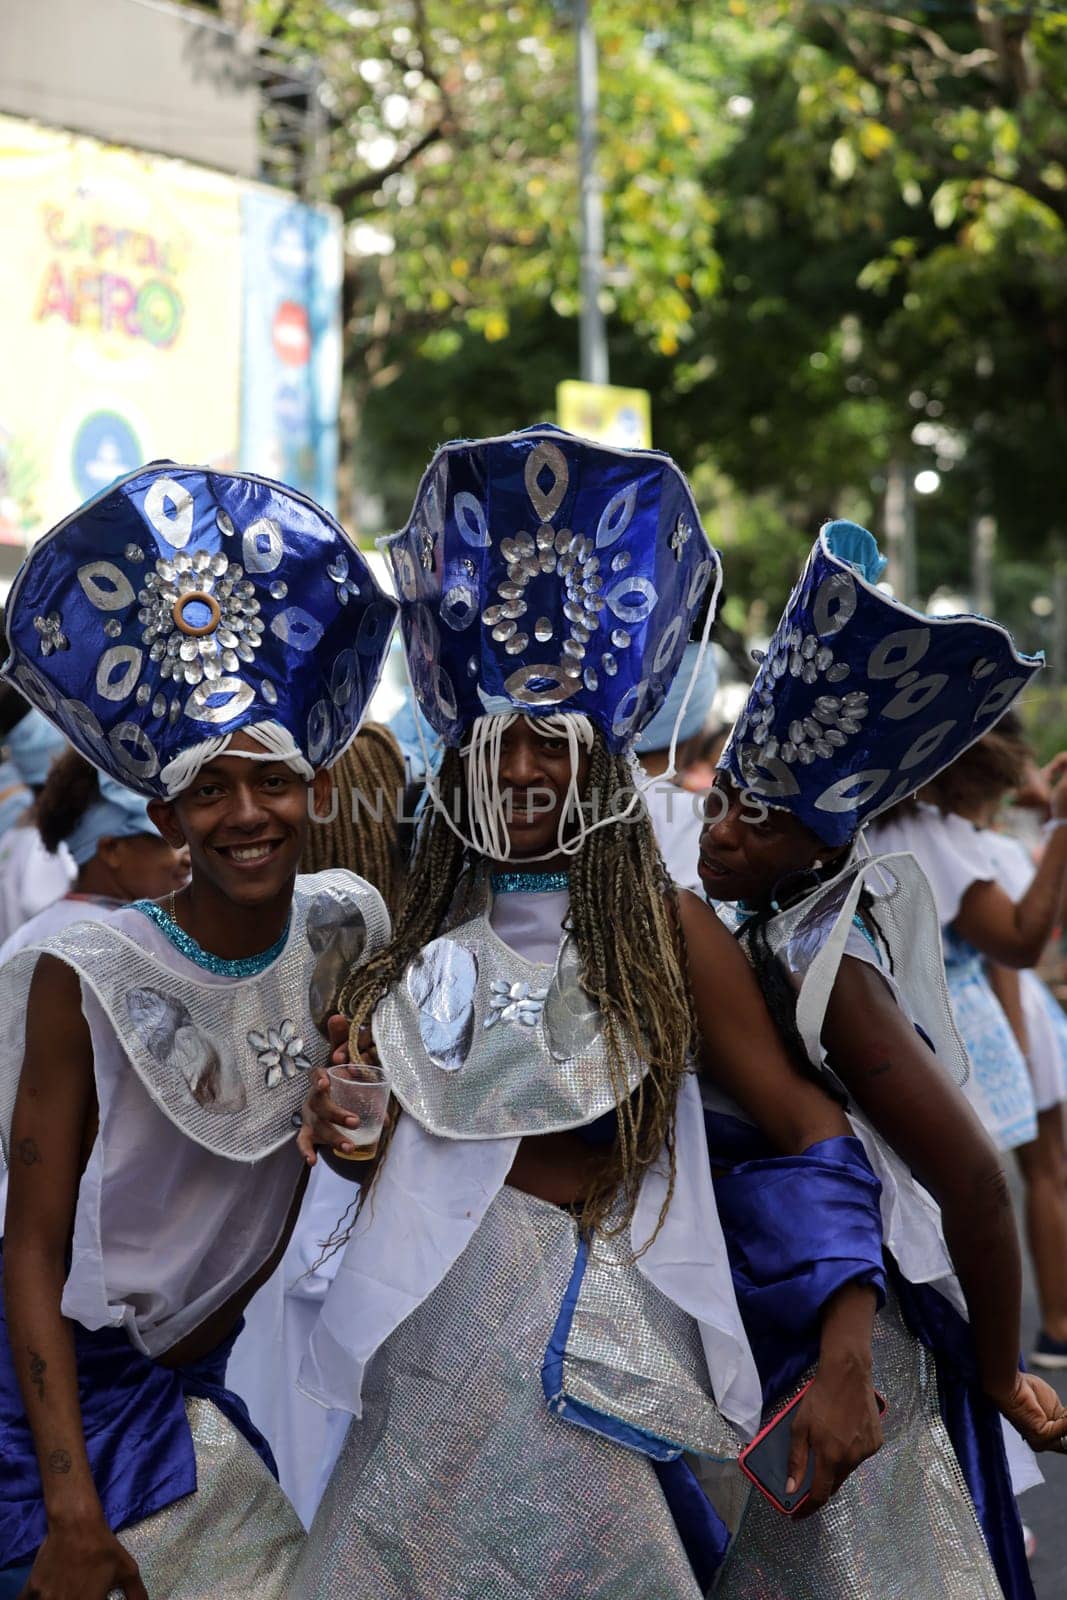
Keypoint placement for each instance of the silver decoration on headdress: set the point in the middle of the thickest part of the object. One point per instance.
(337, 572)
(200, 615)
(51, 630)
(262, 545)
(106, 586)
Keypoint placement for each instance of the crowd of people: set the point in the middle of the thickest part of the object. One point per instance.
(684, 1262)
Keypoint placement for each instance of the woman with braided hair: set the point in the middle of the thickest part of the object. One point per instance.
(533, 1316)
(356, 832)
(846, 949)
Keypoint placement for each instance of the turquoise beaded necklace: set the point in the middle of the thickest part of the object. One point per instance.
(186, 945)
(528, 882)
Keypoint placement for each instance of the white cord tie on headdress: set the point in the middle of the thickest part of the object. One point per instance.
(277, 742)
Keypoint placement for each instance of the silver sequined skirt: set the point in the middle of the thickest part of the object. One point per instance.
(235, 1538)
(902, 1527)
(458, 1483)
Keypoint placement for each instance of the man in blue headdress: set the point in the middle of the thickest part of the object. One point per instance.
(211, 641)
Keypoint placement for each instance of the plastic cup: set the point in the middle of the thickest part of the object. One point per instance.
(362, 1091)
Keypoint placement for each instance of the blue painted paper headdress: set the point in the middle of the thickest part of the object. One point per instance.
(541, 573)
(184, 605)
(860, 700)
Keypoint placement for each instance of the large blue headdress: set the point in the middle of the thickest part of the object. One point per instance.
(541, 573)
(861, 700)
(182, 605)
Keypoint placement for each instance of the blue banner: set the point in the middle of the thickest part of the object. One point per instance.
(291, 364)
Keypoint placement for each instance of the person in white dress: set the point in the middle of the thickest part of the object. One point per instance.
(1000, 997)
(31, 877)
(116, 848)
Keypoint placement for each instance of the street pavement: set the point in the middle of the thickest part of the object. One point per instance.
(1044, 1509)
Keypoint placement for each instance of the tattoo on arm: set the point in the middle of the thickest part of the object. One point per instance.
(59, 1461)
(28, 1153)
(38, 1368)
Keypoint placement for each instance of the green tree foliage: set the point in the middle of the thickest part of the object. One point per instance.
(835, 238)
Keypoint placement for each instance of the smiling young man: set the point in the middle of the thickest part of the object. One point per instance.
(211, 641)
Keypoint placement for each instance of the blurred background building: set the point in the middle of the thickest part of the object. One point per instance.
(166, 289)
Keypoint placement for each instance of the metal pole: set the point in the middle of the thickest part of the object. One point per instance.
(593, 344)
(895, 521)
(983, 546)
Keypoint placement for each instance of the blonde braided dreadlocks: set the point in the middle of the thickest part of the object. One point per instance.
(368, 784)
(624, 919)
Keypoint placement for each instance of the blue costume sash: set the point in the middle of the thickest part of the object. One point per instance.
(136, 1433)
(784, 1274)
(797, 1229)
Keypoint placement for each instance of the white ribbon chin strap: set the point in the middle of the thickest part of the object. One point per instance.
(277, 744)
(487, 802)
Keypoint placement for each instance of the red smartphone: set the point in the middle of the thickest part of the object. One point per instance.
(766, 1459)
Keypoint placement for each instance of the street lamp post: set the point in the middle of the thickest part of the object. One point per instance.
(593, 345)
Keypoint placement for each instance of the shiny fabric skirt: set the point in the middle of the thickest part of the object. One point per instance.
(235, 1538)
(902, 1527)
(458, 1483)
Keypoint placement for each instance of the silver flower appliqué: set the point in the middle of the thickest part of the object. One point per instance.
(50, 628)
(234, 628)
(515, 1002)
(337, 572)
(280, 1052)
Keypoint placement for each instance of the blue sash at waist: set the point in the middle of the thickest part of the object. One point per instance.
(796, 1237)
(136, 1433)
(797, 1229)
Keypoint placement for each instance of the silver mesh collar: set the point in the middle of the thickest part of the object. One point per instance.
(479, 1043)
(226, 1062)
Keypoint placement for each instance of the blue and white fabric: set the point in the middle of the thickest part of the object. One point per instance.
(119, 813)
(32, 746)
(658, 733)
(861, 700)
(184, 604)
(15, 798)
(541, 573)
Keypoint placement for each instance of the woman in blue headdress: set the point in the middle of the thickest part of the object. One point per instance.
(858, 701)
(533, 1315)
(210, 641)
